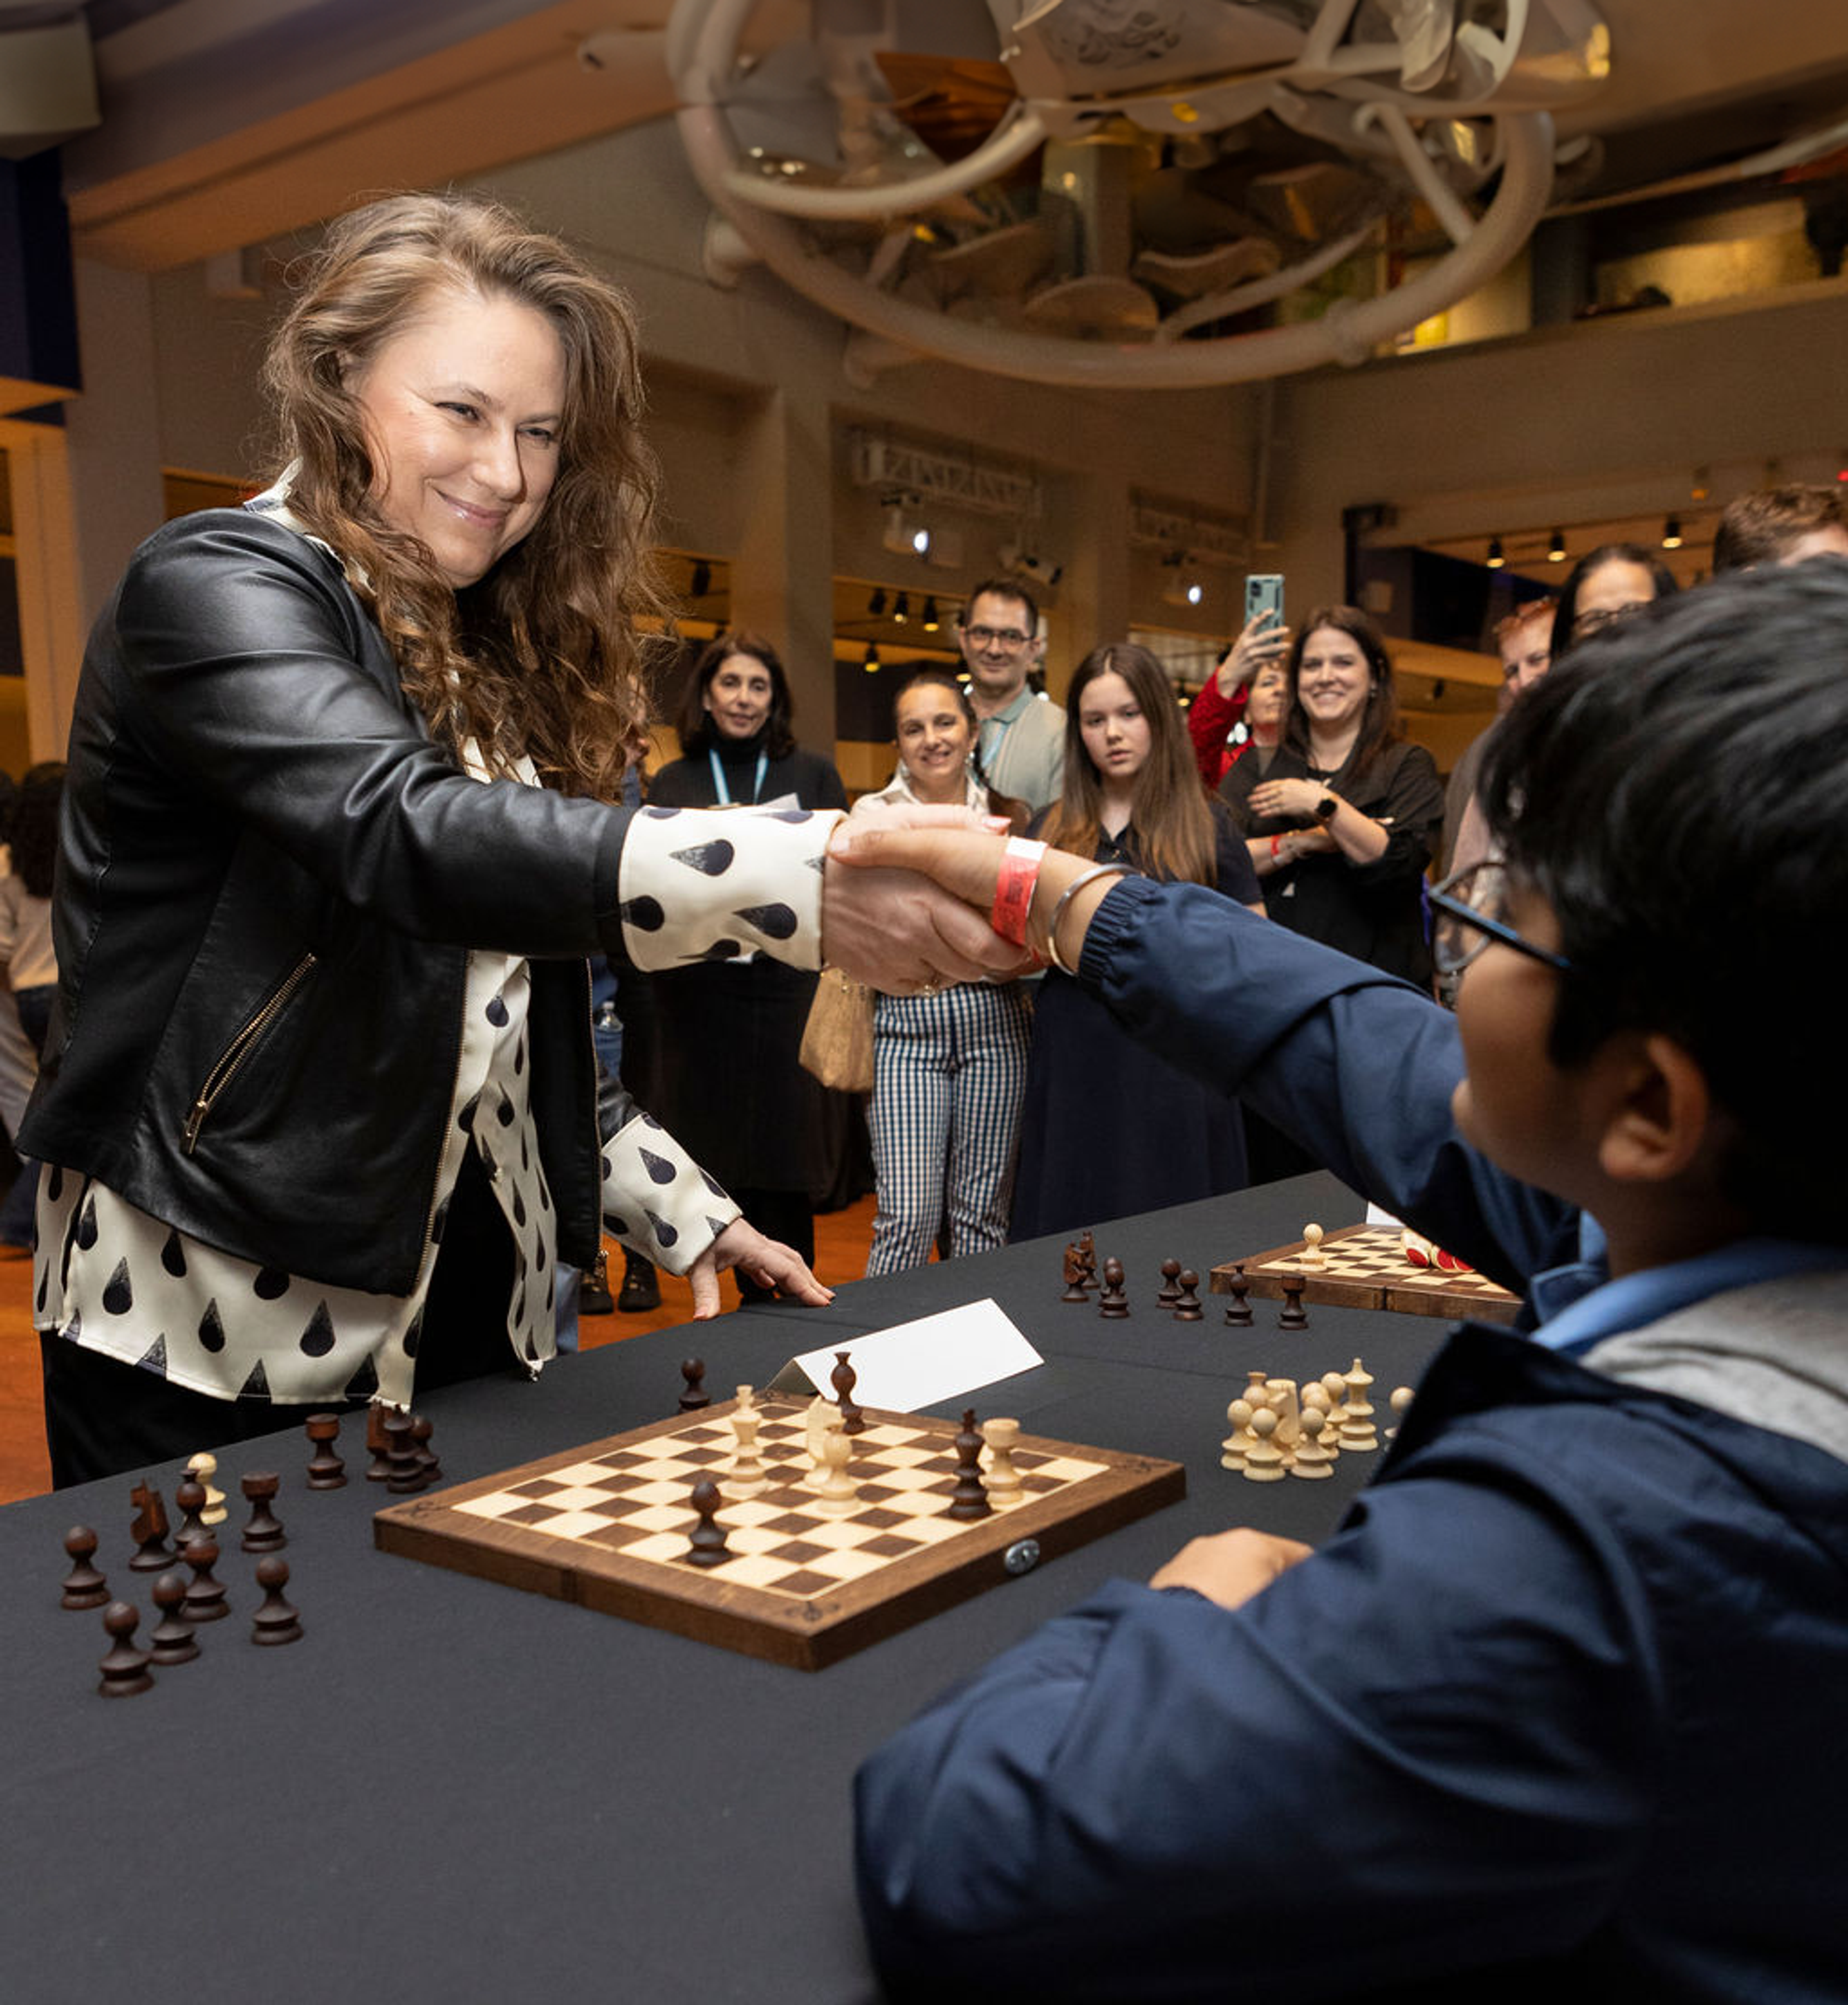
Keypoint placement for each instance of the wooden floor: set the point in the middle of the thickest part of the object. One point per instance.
(841, 1239)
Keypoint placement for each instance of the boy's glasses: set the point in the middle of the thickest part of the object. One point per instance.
(997, 636)
(1471, 905)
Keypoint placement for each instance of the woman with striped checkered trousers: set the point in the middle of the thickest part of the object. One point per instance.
(949, 1067)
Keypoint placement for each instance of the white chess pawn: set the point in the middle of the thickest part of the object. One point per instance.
(1312, 1255)
(1002, 1478)
(1400, 1397)
(1264, 1459)
(839, 1494)
(1312, 1459)
(1315, 1396)
(1231, 1454)
(204, 1466)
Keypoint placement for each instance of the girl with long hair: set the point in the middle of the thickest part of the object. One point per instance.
(1110, 1128)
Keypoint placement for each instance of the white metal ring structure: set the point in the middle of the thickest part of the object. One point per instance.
(1366, 114)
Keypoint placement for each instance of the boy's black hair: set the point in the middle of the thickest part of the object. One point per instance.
(1677, 792)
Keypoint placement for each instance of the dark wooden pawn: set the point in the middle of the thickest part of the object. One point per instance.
(153, 1553)
(84, 1587)
(189, 1498)
(326, 1470)
(264, 1533)
(1115, 1300)
(206, 1600)
(172, 1640)
(379, 1443)
(695, 1396)
(707, 1547)
(969, 1499)
(422, 1428)
(845, 1378)
(124, 1668)
(1237, 1312)
(406, 1475)
(1292, 1315)
(1170, 1285)
(275, 1621)
(1187, 1306)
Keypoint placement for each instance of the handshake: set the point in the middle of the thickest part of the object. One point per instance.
(915, 898)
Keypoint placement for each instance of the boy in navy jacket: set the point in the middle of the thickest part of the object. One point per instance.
(1556, 1712)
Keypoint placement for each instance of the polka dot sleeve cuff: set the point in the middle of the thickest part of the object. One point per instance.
(706, 884)
(657, 1199)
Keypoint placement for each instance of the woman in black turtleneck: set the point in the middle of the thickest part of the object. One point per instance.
(731, 1090)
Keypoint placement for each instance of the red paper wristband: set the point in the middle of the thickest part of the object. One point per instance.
(1014, 889)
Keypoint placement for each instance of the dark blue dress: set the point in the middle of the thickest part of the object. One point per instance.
(1110, 1128)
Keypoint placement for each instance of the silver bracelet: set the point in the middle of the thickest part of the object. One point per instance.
(1084, 877)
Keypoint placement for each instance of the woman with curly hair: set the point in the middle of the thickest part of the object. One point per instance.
(316, 1113)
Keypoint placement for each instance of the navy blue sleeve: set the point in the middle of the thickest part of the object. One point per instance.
(1357, 1066)
(1426, 1748)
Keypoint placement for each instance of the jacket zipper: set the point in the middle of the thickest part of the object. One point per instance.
(231, 1062)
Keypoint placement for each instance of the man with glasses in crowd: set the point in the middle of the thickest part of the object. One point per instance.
(1022, 739)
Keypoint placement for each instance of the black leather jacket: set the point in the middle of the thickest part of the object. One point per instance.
(269, 882)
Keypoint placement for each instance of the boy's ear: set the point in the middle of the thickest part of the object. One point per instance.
(1660, 1111)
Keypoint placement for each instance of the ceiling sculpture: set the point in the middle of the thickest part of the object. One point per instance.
(1131, 192)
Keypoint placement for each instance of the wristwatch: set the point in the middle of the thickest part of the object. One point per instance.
(1325, 808)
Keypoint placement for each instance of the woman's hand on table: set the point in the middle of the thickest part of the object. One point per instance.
(768, 1262)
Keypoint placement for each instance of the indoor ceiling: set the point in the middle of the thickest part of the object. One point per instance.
(225, 123)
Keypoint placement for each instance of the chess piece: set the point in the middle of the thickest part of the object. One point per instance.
(844, 1378)
(84, 1587)
(1115, 1300)
(275, 1621)
(1264, 1459)
(1280, 1395)
(695, 1398)
(124, 1668)
(1004, 1481)
(1400, 1397)
(152, 1554)
(1292, 1315)
(429, 1467)
(205, 1599)
(747, 1478)
(1170, 1292)
(1311, 1461)
(1088, 1257)
(189, 1500)
(969, 1499)
(379, 1444)
(1186, 1303)
(1357, 1416)
(407, 1477)
(1077, 1283)
(326, 1471)
(837, 1494)
(1312, 1255)
(707, 1547)
(1314, 1399)
(204, 1466)
(172, 1640)
(264, 1533)
(1237, 1313)
(1232, 1450)
(820, 1416)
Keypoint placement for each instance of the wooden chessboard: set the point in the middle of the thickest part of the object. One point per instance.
(1363, 1267)
(607, 1526)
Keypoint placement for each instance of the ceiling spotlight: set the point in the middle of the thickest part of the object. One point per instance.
(870, 661)
(931, 621)
(901, 609)
(876, 605)
(1496, 558)
(1556, 549)
(1184, 587)
(1701, 485)
(702, 579)
(905, 535)
(1671, 533)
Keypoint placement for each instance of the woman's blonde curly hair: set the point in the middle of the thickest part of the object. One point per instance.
(543, 655)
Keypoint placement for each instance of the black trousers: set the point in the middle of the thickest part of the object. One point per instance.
(106, 1418)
